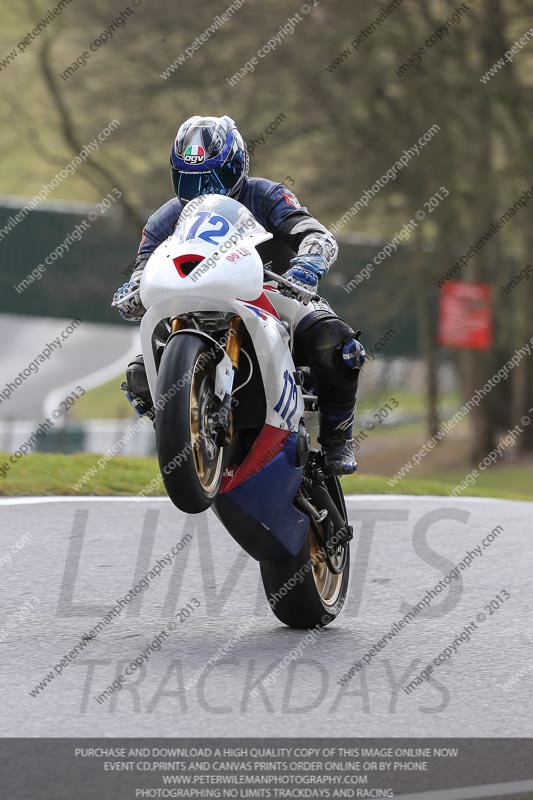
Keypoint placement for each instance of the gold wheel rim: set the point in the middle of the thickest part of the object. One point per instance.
(207, 456)
(328, 584)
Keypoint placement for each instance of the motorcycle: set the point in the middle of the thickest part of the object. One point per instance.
(231, 407)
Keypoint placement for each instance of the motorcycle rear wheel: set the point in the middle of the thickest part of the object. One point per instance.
(302, 591)
(191, 462)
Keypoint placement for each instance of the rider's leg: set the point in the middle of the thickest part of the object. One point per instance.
(136, 386)
(328, 346)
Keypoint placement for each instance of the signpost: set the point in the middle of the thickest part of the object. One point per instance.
(465, 315)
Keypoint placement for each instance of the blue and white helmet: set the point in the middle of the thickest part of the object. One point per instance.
(209, 156)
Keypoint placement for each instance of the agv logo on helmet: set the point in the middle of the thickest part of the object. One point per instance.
(194, 155)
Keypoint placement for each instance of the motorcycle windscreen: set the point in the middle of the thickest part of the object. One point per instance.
(214, 218)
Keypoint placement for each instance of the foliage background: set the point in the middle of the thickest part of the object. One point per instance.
(343, 128)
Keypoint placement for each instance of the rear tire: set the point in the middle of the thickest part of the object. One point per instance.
(191, 462)
(302, 591)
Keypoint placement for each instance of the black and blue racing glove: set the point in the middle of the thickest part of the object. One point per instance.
(307, 270)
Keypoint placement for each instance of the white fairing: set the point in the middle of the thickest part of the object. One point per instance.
(224, 234)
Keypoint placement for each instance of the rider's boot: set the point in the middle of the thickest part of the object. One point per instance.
(136, 388)
(336, 440)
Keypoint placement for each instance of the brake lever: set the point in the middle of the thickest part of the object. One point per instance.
(291, 289)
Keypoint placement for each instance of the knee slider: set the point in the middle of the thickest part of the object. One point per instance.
(353, 354)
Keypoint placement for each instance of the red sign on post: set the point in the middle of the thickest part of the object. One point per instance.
(465, 315)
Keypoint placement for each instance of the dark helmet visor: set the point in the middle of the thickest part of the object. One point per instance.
(220, 180)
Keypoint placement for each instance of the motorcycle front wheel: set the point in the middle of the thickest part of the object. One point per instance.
(190, 460)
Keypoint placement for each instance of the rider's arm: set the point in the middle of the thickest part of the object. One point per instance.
(293, 224)
(158, 228)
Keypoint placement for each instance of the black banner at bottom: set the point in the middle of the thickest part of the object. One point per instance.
(120, 769)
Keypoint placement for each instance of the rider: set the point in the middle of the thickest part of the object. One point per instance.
(209, 156)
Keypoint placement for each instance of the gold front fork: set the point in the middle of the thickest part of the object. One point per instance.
(233, 344)
(177, 324)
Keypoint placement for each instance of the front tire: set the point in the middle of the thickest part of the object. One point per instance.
(191, 462)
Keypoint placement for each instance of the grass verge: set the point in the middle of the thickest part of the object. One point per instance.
(507, 483)
(55, 474)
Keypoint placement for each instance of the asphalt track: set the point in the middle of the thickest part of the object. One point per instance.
(82, 554)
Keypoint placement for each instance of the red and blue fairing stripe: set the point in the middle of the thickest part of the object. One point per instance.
(256, 503)
(261, 305)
